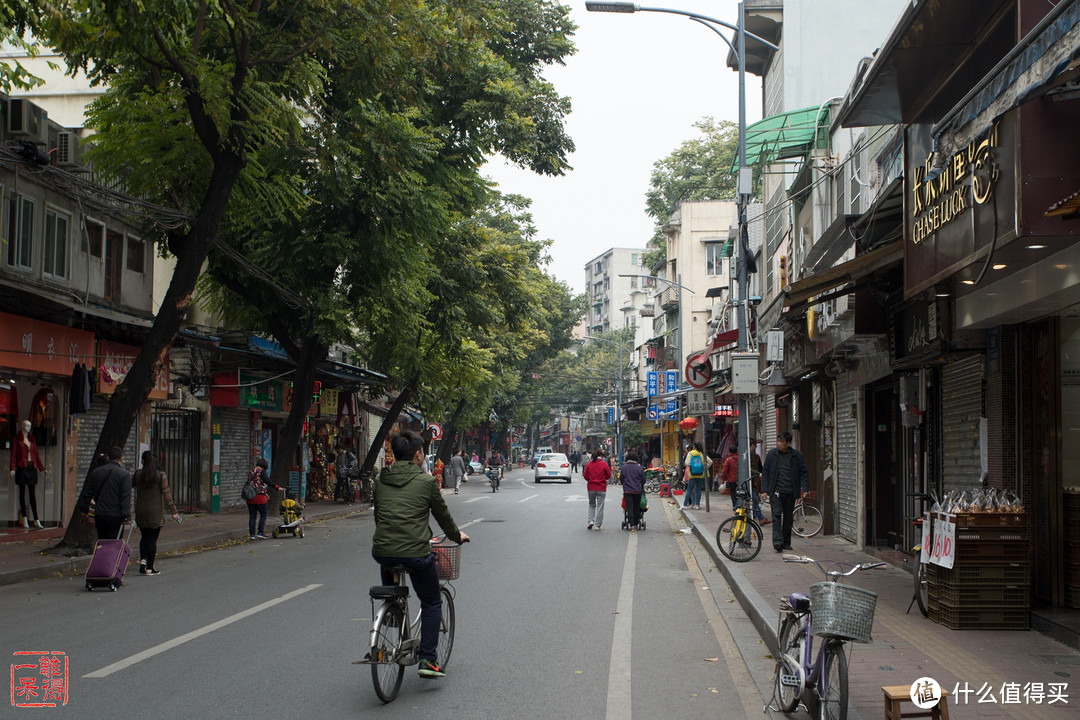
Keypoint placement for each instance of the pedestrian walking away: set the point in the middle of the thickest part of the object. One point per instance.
(755, 476)
(596, 474)
(695, 473)
(405, 499)
(152, 494)
(257, 486)
(109, 488)
(783, 478)
(456, 469)
(633, 484)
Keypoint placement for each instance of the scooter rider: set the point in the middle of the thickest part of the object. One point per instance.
(496, 462)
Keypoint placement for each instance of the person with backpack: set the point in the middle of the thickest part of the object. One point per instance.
(696, 471)
(255, 493)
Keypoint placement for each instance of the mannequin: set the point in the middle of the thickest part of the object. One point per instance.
(25, 464)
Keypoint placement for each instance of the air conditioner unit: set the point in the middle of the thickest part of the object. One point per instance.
(67, 149)
(27, 120)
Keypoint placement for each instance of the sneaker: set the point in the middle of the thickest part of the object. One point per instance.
(589, 526)
(429, 669)
(786, 547)
(153, 571)
(251, 538)
(598, 528)
(262, 537)
(142, 567)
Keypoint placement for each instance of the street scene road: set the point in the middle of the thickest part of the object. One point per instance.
(553, 620)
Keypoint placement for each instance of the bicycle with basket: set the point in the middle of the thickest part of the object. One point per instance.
(833, 614)
(395, 637)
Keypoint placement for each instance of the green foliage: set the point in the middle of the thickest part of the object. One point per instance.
(16, 19)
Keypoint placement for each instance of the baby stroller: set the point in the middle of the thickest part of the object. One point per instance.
(291, 519)
(641, 518)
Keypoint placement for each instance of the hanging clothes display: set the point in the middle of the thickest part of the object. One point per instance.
(43, 417)
(9, 411)
(79, 392)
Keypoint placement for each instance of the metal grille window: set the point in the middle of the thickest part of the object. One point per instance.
(175, 441)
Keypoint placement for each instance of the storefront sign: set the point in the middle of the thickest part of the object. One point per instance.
(260, 394)
(115, 362)
(43, 347)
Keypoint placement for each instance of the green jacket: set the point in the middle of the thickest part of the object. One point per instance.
(404, 497)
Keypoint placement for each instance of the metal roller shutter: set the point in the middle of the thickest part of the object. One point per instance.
(90, 424)
(847, 460)
(768, 422)
(962, 406)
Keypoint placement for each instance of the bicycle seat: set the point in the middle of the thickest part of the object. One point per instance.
(387, 592)
(799, 602)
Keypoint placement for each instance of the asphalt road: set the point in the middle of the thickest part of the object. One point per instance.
(553, 621)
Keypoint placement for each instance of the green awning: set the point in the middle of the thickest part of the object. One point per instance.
(784, 136)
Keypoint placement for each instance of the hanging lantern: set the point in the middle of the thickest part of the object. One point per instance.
(688, 424)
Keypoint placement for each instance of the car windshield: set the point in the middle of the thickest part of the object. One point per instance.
(554, 458)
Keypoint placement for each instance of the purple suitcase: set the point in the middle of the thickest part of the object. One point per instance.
(109, 562)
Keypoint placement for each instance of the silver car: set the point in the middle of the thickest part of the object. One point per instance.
(552, 466)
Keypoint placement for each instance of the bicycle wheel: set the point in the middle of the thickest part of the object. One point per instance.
(807, 521)
(446, 628)
(386, 672)
(919, 576)
(739, 539)
(787, 694)
(834, 683)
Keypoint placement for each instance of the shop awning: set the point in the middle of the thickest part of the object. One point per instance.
(784, 136)
(721, 339)
(799, 294)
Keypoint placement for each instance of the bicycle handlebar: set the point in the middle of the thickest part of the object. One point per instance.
(833, 573)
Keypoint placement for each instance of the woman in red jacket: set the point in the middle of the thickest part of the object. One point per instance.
(596, 473)
(25, 464)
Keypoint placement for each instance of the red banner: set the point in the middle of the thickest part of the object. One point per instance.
(43, 347)
(116, 360)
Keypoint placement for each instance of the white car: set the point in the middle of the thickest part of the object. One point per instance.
(552, 466)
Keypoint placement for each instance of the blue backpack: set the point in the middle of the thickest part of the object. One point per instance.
(697, 464)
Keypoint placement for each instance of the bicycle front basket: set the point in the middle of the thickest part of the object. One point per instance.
(842, 611)
(447, 559)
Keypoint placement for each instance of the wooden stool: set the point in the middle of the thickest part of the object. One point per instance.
(896, 694)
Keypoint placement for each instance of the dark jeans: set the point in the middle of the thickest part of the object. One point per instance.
(633, 508)
(260, 510)
(758, 515)
(148, 538)
(425, 582)
(108, 527)
(783, 514)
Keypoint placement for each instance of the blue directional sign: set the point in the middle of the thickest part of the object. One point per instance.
(653, 383)
(611, 416)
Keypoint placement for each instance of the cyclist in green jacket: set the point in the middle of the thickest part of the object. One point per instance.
(405, 498)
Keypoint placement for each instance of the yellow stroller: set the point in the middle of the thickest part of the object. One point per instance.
(291, 518)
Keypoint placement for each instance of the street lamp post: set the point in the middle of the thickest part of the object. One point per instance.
(679, 287)
(618, 394)
(744, 179)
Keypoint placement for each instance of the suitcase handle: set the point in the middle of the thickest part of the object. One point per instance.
(131, 529)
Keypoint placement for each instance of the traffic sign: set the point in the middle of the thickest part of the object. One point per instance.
(698, 374)
(436, 431)
(700, 402)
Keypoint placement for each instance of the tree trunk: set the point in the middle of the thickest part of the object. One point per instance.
(141, 378)
(391, 417)
(312, 352)
(450, 443)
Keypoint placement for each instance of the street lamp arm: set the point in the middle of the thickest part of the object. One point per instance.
(629, 7)
(713, 28)
(663, 280)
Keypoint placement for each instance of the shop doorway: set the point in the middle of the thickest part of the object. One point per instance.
(884, 505)
(174, 439)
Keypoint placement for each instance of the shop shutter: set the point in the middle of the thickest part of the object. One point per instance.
(768, 416)
(236, 457)
(962, 406)
(90, 424)
(847, 459)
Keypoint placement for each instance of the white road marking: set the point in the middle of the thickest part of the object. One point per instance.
(471, 522)
(528, 498)
(576, 498)
(478, 498)
(618, 690)
(175, 642)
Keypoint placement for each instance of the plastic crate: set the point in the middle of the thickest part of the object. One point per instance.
(990, 574)
(988, 520)
(980, 618)
(994, 551)
(985, 596)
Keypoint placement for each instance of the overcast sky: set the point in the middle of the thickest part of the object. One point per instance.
(638, 82)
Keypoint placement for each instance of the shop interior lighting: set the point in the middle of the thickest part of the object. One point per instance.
(1036, 247)
(1000, 266)
(968, 282)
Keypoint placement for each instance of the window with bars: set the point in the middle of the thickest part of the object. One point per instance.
(57, 244)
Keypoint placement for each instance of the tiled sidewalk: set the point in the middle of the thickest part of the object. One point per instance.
(906, 646)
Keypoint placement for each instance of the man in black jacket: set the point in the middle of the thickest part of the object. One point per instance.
(109, 486)
(784, 477)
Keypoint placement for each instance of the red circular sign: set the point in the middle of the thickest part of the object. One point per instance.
(698, 372)
(436, 431)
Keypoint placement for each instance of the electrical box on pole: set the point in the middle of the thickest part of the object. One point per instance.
(774, 346)
(744, 373)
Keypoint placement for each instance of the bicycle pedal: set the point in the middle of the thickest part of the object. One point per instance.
(789, 680)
